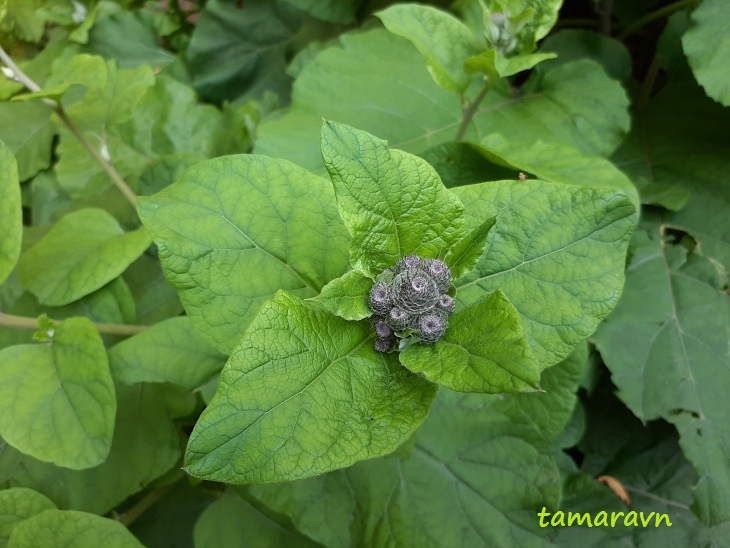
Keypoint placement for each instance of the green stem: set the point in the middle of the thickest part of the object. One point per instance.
(106, 165)
(22, 322)
(149, 500)
(472, 110)
(654, 16)
(648, 85)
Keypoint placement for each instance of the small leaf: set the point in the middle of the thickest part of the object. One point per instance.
(170, 351)
(234, 230)
(393, 203)
(495, 65)
(707, 46)
(483, 350)
(64, 389)
(616, 486)
(17, 505)
(443, 40)
(465, 255)
(84, 251)
(56, 528)
(347, 296)
(11, 214)
(27, 130)
(303, 394)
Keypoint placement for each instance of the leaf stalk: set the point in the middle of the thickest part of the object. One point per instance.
(666, 11)
(472, 110)
(105, 164)
(22, 322)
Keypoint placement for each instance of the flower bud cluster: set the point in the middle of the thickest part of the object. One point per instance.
(411, 299)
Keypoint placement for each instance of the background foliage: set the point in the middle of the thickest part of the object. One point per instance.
(609, 95)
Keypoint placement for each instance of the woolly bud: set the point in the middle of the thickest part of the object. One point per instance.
(414, 291)
(431, 327)
(382, 329)
(409, 261)
(384, 344)
(446, 303)
(398, 319)
(440, 273)
(380, 298)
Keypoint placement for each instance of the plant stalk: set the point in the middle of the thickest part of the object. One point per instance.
(22, 322)
(472, 110)
(654, 16)
(105, 164)
(149, 500)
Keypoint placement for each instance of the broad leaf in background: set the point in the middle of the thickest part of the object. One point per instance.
(392, 203)
(707, 46)
(304, 393)
(560, 163)
(669, 151)
(82, 252)
(64, 389)
(483, 350)
(557, 252)
(571, 45)
(170, 351)
(443, 40)
(26, 129)
(383, 87)
(347, 296)
(71, 528)
(487, 457)
(11, 213)
(231, 521)
(238, 51)
(17, 505)
(233, 231)
(336, 11)
(459, 164)
(666, 346)
(146, 444)
(648, 463)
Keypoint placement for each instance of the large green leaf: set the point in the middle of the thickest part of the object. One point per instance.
(303, 394)
(57, 528)
(392, 203)
(560, 163)
(82, 252)
(475, 474)
(384, 88)
(336, 11)
(666, 346)
(467, 252)
(669, 151)
(483, 350)
(146, 444)
(707, 46)
(443, 40)
(17, 505)
(239, 51)
(231, 521)
(233, 231)
(557, 252)
(11, 213)
(170, 351)
(65, 391)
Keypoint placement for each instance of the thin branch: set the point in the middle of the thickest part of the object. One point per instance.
(471, 110)
(666, 11)
(22, 322)
(106, 165)
(648, 84)
(144, 504)
(606, 13)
